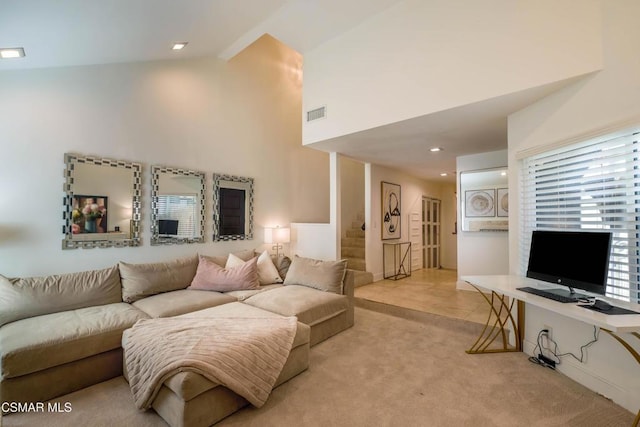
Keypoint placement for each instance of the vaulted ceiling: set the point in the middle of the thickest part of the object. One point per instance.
(80, 32)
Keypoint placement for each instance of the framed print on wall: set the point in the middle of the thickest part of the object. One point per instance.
(480, 203)
(391, 210)
(502, 202)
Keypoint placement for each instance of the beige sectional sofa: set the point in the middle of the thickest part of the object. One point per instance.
(62, 333)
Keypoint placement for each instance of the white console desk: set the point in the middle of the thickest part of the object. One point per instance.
(505, 296)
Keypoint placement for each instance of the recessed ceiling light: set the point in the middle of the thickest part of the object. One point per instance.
(11, 52)
(503, 173)
(435, 149)
(179, 45)
(444, 174)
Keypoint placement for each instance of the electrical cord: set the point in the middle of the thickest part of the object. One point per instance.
(596, 333)
(540, 360)
(538, 350)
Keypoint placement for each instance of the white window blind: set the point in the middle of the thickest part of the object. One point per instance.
(590, 185)
(180, 207)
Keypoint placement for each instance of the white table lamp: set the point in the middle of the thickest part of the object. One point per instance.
(277, 236)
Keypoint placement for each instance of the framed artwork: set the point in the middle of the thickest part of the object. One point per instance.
(391, 210)
(479, 203)
(502, 202)
(89, 214)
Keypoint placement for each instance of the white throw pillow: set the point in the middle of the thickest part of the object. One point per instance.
(267, 271)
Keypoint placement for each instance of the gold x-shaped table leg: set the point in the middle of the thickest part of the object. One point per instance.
(634, 353)
(497, 321)
(503, 315)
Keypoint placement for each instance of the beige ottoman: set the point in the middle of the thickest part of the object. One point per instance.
(190, 400)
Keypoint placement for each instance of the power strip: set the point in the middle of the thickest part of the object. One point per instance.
(544, 360)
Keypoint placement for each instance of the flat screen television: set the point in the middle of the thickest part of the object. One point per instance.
(575, 259)
(168, 227)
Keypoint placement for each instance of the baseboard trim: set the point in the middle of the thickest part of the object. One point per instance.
(577, 372)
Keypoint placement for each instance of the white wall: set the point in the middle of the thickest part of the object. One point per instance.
(313, 241)
(419, 57)
(412, 191)
(481, 252)
(240, 117)
(609, 99)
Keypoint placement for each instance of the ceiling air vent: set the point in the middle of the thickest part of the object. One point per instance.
(318, 113)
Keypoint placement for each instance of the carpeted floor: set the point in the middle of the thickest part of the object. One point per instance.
(395, 367)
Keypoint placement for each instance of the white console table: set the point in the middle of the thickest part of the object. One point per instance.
(505, 296)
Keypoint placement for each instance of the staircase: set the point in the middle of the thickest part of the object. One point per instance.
(353, 249)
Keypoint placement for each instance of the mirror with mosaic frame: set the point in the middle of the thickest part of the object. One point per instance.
(232, 208)
(101, 203)
(177, 205)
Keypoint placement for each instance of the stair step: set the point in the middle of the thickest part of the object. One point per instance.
(357, 225)
(350, 252)
(352, 242)
(361, 278)
(355, 233)
(356, 264)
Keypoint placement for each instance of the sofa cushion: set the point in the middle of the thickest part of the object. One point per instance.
(33, 296)
(58, 338)
(242, 295)
(179, 302)
(211, 277)
(143, 280)
(322, 275)
(309, 305)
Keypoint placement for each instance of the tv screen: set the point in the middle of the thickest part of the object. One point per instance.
(168, 227)
(577, 259)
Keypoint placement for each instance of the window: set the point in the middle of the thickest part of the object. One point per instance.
(182, 208)
(589, 185)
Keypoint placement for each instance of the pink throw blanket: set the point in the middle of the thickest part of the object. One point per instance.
(245, 355)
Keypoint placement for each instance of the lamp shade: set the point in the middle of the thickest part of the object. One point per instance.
(277, 235)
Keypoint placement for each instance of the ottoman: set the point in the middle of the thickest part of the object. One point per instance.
(188, 399)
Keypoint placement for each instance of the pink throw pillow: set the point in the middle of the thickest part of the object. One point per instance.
(211, 277)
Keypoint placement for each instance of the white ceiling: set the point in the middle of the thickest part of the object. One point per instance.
(57, 33)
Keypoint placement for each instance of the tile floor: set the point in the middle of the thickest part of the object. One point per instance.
(429, 290)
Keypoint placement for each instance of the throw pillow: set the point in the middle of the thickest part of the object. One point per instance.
(244, 255)
(211, 277)
(143, 280)
(282, 264)
(21, 298)
(323, 275)
(267, 272)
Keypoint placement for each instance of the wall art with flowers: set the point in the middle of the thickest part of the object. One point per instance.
(89, 214)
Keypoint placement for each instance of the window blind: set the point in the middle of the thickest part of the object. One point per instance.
(182, 208)
(589, 185)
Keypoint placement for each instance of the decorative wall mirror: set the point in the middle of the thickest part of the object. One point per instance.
(484, 200)
(177, 206)
(232, 208)
(101, 206)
